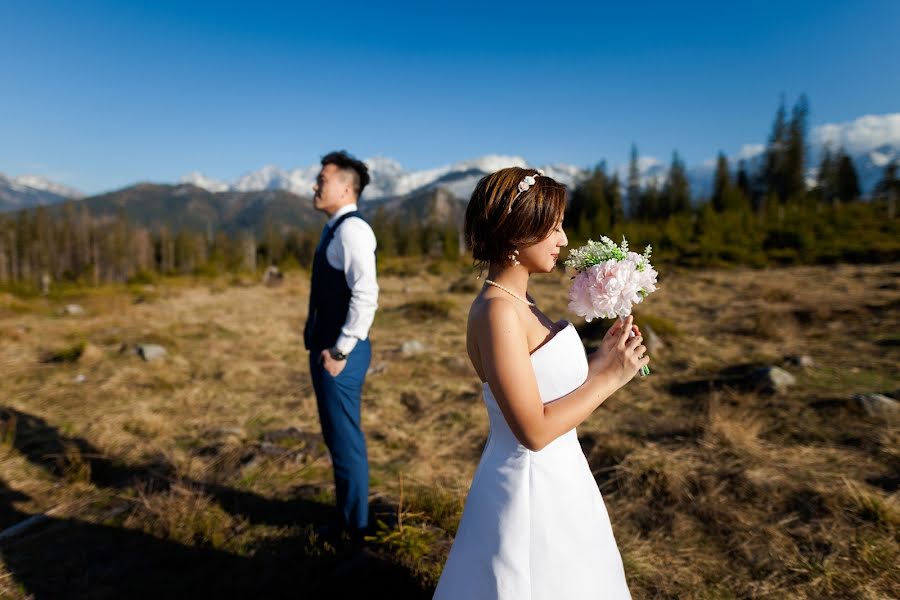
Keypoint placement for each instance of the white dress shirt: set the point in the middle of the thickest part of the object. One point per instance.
(352, 250)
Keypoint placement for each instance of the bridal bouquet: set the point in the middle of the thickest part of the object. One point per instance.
(610, 280)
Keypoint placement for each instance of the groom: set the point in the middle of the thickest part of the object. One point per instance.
(342, 303)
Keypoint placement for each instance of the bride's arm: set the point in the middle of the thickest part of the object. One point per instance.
(503, 346)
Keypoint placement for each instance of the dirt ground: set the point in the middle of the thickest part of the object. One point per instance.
(204, 472)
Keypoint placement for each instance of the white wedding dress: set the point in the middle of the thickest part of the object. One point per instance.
(534, 526)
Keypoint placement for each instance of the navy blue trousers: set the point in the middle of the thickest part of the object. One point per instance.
(339, 400)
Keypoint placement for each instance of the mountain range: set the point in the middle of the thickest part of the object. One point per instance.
(388, 177)
(272, 194)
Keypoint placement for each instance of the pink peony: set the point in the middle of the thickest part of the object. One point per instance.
(580, 300)
(610, 288)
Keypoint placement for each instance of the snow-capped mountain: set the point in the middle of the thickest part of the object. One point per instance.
(45, 185)
(26, 191)
(202, 181)
(388, 177)
(270, 177)
(870, 165)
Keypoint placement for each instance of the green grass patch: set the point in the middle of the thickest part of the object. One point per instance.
(660, 325)
(401, 266)
(830, 380)
(426, 310)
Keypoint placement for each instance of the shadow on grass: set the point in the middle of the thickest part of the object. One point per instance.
(738, 377)
(70, 558)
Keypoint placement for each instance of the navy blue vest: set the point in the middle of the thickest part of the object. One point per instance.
(329, 296)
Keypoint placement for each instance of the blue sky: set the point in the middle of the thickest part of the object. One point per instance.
(100, 94)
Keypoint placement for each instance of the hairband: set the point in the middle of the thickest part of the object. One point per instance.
(525, 184)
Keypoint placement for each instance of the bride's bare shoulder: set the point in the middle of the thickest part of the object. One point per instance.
(489, 311)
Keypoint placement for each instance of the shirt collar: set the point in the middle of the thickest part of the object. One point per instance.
(340, 213)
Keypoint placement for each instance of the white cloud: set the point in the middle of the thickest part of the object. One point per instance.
(750, 150)
(647, 162)
(861, 135)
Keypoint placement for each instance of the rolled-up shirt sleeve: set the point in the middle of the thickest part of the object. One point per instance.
(353, 251)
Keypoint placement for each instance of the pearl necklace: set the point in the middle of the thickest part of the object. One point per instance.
(510, 292)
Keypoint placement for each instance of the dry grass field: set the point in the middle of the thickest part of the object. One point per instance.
(203, 473)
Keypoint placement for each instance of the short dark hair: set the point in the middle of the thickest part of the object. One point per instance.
(499, 219)
(348, 163)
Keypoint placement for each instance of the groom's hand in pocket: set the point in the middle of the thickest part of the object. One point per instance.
(333, 366)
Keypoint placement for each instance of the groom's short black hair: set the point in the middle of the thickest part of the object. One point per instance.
(346, 162)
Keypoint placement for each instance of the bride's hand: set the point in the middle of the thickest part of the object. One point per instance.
(612, 336)
(619, 357)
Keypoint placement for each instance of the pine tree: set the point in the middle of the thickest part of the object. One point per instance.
(794, 176)
(889, 187)
(888, 180)
(412, 237)
(43, 242)
(677, 190)
(142, 245)
(5, 272)
(166, 252)
(384, 233)
(589, 208)
(577, 210)
(24, 238)
(13, 252)
(650, 202)
(634, 184)
(721, 182)
(826, 179)
(774, 169)
(785, 159)
(728, 195)
(248, 252)
(743, 179)
(432, 240)
(450, 240)
(272, 242)
(83, 241)
(847, 179)
(614, 199)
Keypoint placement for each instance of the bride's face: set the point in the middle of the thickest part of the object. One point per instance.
(542, 257)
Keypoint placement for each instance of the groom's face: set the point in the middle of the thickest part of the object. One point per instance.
(333, 189)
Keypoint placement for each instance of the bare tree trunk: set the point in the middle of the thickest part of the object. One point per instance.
(95, 252)
(13, 256)
(143, 251)
(4, 264)
(249, 258)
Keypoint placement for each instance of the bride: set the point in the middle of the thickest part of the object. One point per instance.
(534, 525)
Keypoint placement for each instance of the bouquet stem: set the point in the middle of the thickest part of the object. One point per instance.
(645, 370)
